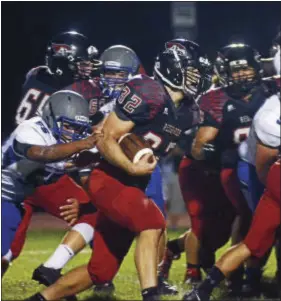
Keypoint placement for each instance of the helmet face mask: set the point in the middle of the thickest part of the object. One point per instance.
(238, 66)
(67, 115)
(120, 64)
(181, 66)
(67, 130)
(70, 56)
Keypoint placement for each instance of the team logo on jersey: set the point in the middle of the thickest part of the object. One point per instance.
(175, 47)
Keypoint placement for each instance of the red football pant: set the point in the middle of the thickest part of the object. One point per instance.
(266, 219)
(50, 198)
(124, 211)
(111, 244)
(231, 186)
(110, 191)
(210, 212)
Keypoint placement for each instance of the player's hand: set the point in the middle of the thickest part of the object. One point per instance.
(70, 212)
(91, 141)
(144, 166)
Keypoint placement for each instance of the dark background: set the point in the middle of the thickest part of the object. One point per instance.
(143, 26)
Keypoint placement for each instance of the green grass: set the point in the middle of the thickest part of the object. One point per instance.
(17, 283)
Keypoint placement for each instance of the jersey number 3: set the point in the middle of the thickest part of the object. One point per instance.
(33, 99)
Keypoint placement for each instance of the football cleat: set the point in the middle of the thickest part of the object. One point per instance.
(195, 295)
(107, 288)
(48, 276)
(164, 288)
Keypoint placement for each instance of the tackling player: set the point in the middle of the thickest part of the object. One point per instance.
(40, 144)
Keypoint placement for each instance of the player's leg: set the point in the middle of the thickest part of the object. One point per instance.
(154, 191)
(73, 242)
(191, 177)
(111, 244)
(257, 242)
(11, 216)
(51, 198)
(128, 206)
(231, 185)
(20, 236)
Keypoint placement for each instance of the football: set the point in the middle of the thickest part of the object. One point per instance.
(85, 158)
(134, 146)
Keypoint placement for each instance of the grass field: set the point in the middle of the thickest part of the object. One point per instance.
(17, 283)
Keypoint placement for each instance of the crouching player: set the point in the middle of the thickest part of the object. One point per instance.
(40, 144)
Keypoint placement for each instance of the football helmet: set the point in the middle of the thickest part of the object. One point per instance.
(182, 66)
(67, 115)
(120, 63)
(238, 66)
(70, 55)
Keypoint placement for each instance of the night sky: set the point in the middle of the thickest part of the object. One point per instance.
(144, 26)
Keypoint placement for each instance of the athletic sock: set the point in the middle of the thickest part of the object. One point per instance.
(193, 271)
(213, 279)
(60, 257)
(174, 247)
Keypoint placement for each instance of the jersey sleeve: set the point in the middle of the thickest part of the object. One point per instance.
(25, 137)
(211, 106)
(267, 128)
(139, 106)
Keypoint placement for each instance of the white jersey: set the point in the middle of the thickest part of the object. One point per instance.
(16, 168)
(265, 128)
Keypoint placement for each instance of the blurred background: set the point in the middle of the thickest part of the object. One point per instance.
(143, 26)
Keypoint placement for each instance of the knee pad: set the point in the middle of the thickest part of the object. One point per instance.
(85, 230)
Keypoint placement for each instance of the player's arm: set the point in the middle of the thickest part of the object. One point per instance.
(109, 148)
(130, 110)
(202, 147)
(267, 129)
(35, 150)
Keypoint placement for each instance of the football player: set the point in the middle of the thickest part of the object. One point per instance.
(71, 61)
(155, 110)
(209, 210)
(265, 146)
(228, 114)
(41, 144)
